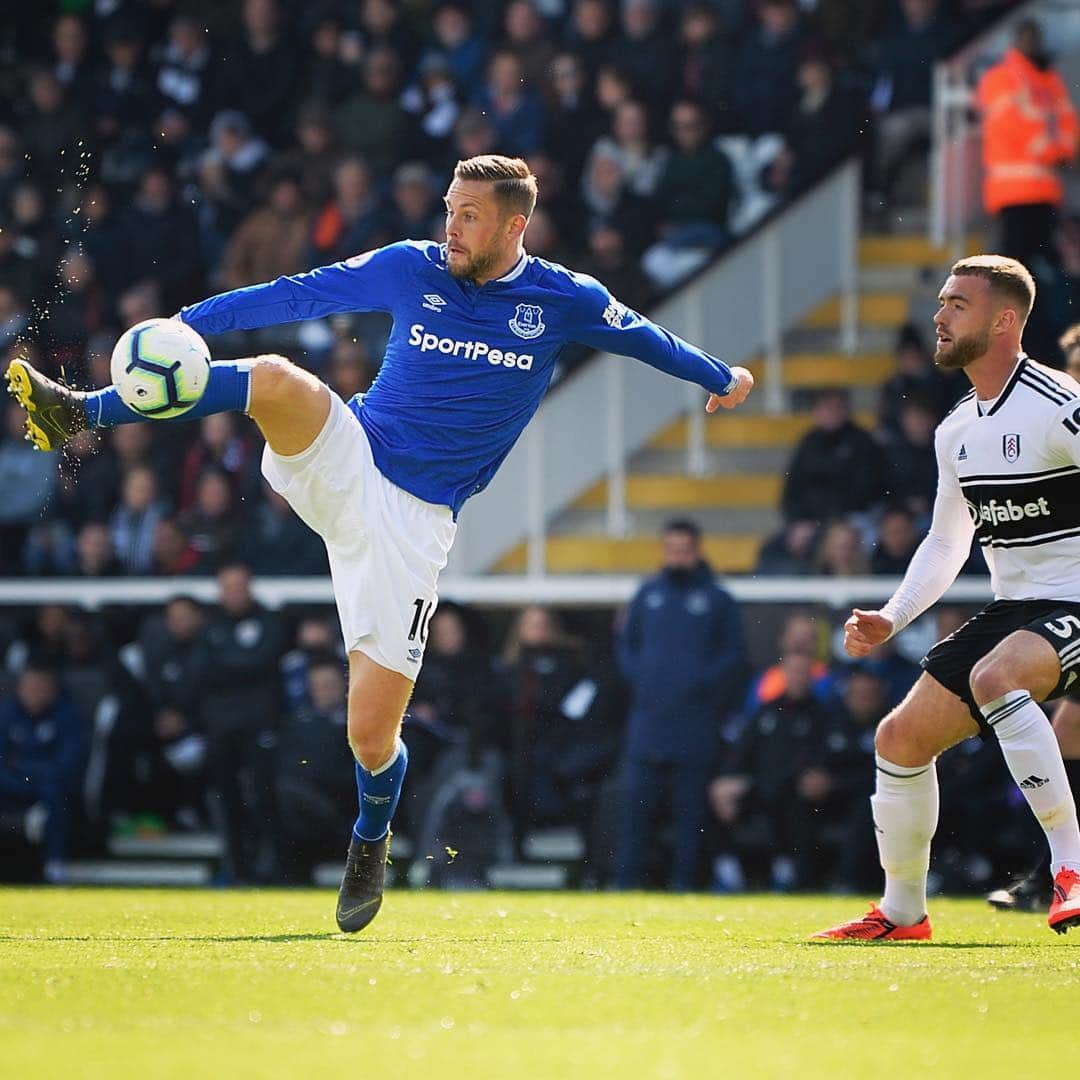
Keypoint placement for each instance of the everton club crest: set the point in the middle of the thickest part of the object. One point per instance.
(1010, 447)
(528, 321)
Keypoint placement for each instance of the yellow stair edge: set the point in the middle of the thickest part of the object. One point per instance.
(746, 429)
(664, 491)
(912, 250)
(730, 554)
(808, 370)
(875, 309)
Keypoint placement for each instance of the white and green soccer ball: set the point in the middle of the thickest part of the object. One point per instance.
(160, 368)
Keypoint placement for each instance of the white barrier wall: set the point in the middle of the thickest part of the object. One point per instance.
(738, 309)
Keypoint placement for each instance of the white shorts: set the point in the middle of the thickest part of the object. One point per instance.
(386, 547)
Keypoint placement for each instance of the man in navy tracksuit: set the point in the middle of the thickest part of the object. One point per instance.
(681, 651)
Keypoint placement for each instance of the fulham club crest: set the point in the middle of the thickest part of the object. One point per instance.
(1010, 447)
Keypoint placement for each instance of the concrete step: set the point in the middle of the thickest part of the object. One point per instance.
(911, 249)
(524, 876)
(723, 459)
(721, 520)
(168, 846)
(886, 309)
(826, 339)
(743, 430)
(646, 491)
(813, 370)
(728, 553)
(554, 845)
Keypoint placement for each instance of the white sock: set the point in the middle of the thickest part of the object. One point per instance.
(1034, 758)
(905, 807)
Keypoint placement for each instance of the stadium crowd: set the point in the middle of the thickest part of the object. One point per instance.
(151, 153)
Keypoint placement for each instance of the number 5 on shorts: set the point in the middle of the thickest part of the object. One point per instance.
(1064, 627)
(421, 617)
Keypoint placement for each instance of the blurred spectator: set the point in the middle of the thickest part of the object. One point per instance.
(228, 173)
(170, 654)
(13, 166)
(574, 120)
(416, 202)
(272, 240)
(348, 371)
(590, 33)
(79, 310)
(384, 25)
(841, 551)
(647, 50)
(824, 126)
(608, 260)
(512, 105)
(915, 376)
(526, 35)
(160, 240)
(803, 634)
(314, 787)
(919, 34)
(239, 653)
(41, 758)
(14, 316)
(183, 77)
(1058, 286)
(212, 524)
(277, 542)
(910, 460)
(835, 447)
(764, 90)
(785, 782)
(173, 554)
(371, 122)
(134, 522)
(354, 220)
(51, 126)
(539, 667)
(790, 551)
(560, 203)
(94, 552)
(681, 652)
(1028, 128)
(694, 198)
(124, 96)
(18, 271)
(641, 161)
(261, 68)
(457, 40)
(329, 75)
(314, 155)
(432, 99)
(27, 479)
(71, 56)
(1070, 349)
(315, 638)
(101, 237)
(897, 538)
(222, 443)
(706, 68)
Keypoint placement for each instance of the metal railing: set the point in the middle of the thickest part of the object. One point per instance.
(738, 309)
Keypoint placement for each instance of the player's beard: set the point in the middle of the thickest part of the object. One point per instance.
(479, 265)
(962, 351)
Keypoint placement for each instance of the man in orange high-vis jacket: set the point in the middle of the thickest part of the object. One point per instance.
(1029, 128)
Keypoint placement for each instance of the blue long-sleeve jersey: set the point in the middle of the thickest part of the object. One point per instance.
(465, 366)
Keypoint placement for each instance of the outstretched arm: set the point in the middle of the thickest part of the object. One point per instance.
(366, 282)
(603, 323)
(933, 568)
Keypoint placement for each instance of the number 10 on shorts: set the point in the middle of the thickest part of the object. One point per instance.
(421, 618)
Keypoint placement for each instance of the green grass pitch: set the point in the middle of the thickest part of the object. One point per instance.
(113, 983)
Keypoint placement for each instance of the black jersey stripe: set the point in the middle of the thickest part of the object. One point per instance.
(1015, 478)
(1034, 371)
(1049, 389)
(1009, 386)
(967, 397)
(1050, 395)
(1033, 541)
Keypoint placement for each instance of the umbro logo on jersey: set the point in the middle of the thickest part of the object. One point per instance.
(962, 456)
(434, 302)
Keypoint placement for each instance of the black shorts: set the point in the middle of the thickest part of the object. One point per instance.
(950, 661)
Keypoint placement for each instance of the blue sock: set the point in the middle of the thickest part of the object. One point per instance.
(227, 391)
(379, 794)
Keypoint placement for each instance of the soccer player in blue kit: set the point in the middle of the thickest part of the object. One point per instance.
(478, 325)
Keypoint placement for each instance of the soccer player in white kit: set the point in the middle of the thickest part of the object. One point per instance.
(1009, 475)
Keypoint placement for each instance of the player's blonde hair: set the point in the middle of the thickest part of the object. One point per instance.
(1007, 277)
(513, 180)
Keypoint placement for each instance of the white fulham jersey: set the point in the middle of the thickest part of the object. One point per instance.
(1016, 464)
